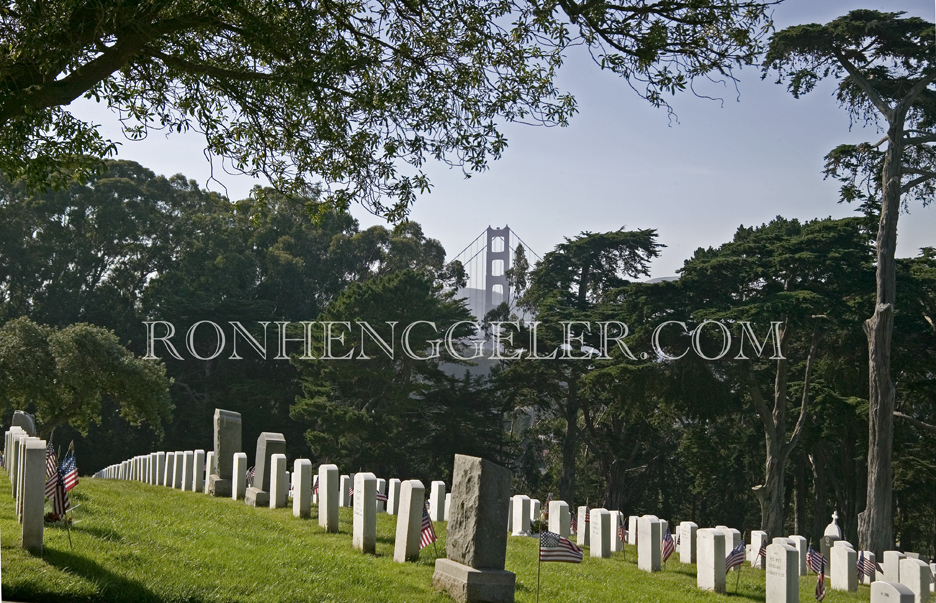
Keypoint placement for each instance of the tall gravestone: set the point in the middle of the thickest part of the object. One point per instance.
(188, 469)
(890, 592)
(328, 497)
(344, 492)
(279, 481)
(802, 548)
(521, 515)
(648, 543)
(600, 527)
(393, 496)
(710, 566)
(559, 519)
(409, 520)
(582, 533)
(758, 539)
(437, 501)
(302, 488)
(782, 573)
(617, 519)
(268, 444)
(382, 489)
(844, 561)
(477, 544)
(178, 467)
(915, 575)
(198, 472)
(227, 442)
(239, 476)
(687, 541)
(364, 525)
(632, 530)
(891, 566)
(33, 494)
(24, 421)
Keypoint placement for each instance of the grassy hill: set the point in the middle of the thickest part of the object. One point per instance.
(137, 543)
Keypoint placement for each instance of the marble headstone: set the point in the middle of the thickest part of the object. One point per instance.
(268, 444)
(227, 441)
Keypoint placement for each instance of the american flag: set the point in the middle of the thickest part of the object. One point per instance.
(820, 583)
(573, 523)
(735, 557)
(814, 560)
(315, 485)
(763, 551)
(381, 497)
(60, 501)
(428, 532)
(554, 547)
(678, 538)
(69, 472)
(250, 476)
(350, 492)
(668, 545)
(587, 514)
(51, 472)
(622, 531)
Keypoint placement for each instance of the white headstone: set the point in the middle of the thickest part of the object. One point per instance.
(33, 494)
(238, 476)
(279, 481)
(915, 575)
(782, 573)
(364, 527)
(302, 488)
(890, 592)
(617, 518)
(521, 515)
(168, 470)
(833, 529)
(649, 539)
(732, 539)
(535, 509)
(393, 496)
(600, 528)
(198, 473)
(209, 459)
(710, 565)
(862, 578)
(188, 470)
(583, 531)
(153, 465)
(891, 566)
(328, 499)
(933, 573)
(632, 529)
(559, 518)
(448, 504)
(758, 539)
(687, 541)
(844, 563)
(177, 469)
(802, 547)
(437, 501)
(409, 521)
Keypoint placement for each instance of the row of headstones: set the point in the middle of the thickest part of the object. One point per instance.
(24, 458)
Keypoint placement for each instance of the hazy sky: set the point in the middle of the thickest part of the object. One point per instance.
(621, 162)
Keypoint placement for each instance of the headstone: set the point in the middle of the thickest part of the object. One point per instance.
(687, 541)
(33, 494)
(153, 468)
(617, 518)
(782, 573)
(891, 566)
(758, 539)
(890, 592)
(268, 444)
(862, 578)
(844, 562)
(802, 547)
(302, 488)
(510, 506)
(209, 461)
(826, 543)
(188, 469)
(933, 573)
(648, 543)
(583, 533)
(169, 470)
(600, 528)
(833, 529)
(409, 520)
(364, 526)
(536, 508)
(382, 488)
(393, 496)
(915, 575)
(279, 481)
(559, 518)
(227, 441)
(328, 484)
(344, 490)
(437, 501)
(711, 553)
(24, 421)
(632, 530)
(477, 544)
(239, 476)
(198, 471)
(177, 468)
(448, 504)
(732, 539)
(521, 515)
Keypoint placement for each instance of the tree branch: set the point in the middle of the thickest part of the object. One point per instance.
(916, 422)
(217, 72)
(864, 84)
(920, 180)
(759, 404)
(804, 402)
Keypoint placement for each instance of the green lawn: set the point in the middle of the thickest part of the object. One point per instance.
(137, 543)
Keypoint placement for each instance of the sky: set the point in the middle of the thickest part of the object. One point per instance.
(622, 163)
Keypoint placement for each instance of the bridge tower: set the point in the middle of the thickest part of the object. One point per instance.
(498, 262)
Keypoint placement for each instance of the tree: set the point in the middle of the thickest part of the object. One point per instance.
(64, 374)
(885, 71)
(342, 91)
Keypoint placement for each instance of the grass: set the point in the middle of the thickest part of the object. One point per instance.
(138, 543)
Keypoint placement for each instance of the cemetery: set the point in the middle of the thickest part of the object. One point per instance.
(235, 368)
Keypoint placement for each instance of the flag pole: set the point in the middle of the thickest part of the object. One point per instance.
(539, 565)
(738, 580)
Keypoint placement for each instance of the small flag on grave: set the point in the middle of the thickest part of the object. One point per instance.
(573, 524)
(250, 477)
(70, 471)
(820, 582)
(814, 560)
(51, 472)
(622, 531)
(763, 551)
(735, 557)
(381, 497)
(554, 547)
(668, 545)
(428, 532)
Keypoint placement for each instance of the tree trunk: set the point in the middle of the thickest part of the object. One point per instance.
(770, 493)
(569, 447)
(820, 511)
(799, 499)
(876, 522)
